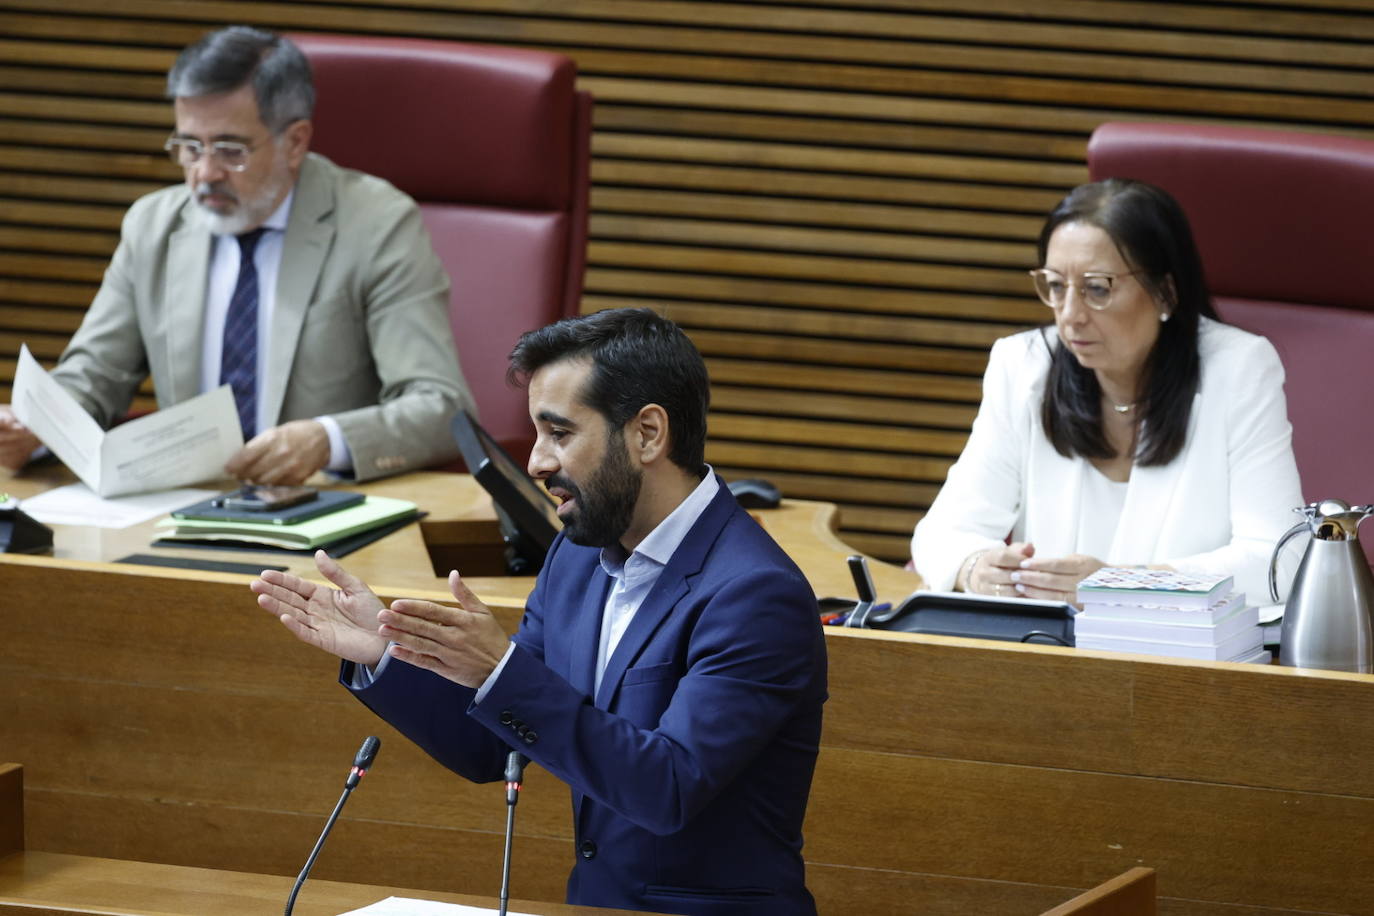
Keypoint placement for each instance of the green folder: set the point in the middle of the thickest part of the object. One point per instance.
(373, 512)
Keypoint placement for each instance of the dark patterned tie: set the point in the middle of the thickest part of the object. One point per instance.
(238, 367)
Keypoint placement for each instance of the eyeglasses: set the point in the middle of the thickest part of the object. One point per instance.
(228, 154)
(1094, 289)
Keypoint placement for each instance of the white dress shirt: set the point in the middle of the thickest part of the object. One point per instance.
(636, 575)
(223, 276)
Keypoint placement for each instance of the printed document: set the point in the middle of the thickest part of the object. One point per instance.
(75, 504)
(410, 906)
(172, 447)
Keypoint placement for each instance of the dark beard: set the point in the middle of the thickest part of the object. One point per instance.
(604, 511)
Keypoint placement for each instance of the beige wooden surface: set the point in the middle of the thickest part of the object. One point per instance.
(459, 532)
(34, 883)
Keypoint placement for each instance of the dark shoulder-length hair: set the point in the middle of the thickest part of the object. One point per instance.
(1152, 234)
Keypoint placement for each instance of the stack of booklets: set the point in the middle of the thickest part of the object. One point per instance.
(1161, 612)
(335, 519)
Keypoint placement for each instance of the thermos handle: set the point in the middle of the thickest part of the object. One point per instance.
(1274, 560)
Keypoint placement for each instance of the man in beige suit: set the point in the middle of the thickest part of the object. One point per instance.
(312, 290)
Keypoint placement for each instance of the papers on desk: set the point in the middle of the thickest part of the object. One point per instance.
(408, 906)
(175, 446)
(75, 504)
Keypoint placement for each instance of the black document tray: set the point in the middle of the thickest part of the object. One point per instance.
(979, 617)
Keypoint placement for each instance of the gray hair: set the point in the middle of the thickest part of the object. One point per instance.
(229, 58)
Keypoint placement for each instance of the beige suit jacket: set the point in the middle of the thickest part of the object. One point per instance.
(359, 332)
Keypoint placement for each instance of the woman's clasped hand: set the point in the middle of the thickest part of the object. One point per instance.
(1015, 571)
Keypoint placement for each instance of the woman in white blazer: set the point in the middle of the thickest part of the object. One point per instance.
(1139, 430)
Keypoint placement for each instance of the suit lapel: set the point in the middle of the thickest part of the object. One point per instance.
(675, 582)
(184, 289)
(586, 634)
(309, 235)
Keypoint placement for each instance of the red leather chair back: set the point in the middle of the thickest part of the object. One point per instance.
(494, 143)
(1283, 224)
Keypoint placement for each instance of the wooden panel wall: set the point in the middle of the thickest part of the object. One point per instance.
(837, 197)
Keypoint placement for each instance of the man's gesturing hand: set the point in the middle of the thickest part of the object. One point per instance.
(340, 621)
(463, 644)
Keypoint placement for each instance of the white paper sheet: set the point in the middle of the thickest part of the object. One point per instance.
(407, 906)
(172, 447)
(75, 504)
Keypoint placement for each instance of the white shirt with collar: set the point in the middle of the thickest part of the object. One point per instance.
(219, 289)
(636, 575)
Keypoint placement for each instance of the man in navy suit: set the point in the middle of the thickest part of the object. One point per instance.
(670, 666)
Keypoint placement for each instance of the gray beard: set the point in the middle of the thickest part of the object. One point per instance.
(249, 214)
(234, 224)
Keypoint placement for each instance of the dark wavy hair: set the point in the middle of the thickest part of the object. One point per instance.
(638, 357)
(1152, 234)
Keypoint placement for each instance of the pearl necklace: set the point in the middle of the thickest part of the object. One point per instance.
(1123, 408)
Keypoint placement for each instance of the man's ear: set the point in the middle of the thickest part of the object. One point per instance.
(647, 434)
(296, 139)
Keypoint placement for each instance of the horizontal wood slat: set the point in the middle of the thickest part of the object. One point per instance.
(837, 198)
(822, 352)
(790, 212)
(838, 407)
(823, 186)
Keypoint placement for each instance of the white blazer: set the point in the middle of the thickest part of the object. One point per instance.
(1218, 507)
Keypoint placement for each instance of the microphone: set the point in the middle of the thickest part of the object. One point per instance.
(362, 762)
(515, 772)
(863, 584)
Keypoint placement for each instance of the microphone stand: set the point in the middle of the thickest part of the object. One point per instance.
(361, 762)
(515, 768)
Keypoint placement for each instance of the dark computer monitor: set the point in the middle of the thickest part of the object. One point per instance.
(527, 515)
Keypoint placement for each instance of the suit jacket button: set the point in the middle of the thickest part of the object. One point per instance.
(587, 849)
(506, 717)
(522, 730)
(530, 736)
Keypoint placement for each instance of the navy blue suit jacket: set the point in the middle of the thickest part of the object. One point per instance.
(691, 766)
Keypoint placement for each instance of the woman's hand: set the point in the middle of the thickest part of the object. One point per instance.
(1054, 578)
(1015, 571)
(992, 570)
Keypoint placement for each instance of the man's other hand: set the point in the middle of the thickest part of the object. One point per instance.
(463, 644)
(285, 454)
(16, 442)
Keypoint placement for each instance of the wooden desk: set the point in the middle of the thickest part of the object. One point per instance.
(163, 717)
(460, 531)
(44, 882)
